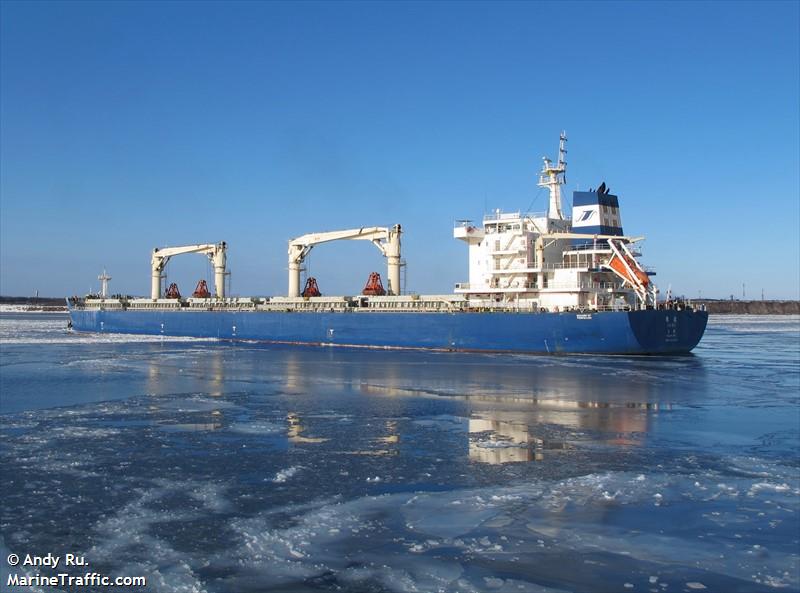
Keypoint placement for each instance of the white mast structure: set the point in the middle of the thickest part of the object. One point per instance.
(104, 278)
(554, 177)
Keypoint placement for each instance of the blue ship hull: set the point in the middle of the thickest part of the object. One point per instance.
(614, 332)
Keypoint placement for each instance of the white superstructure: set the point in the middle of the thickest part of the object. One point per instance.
(544, 261)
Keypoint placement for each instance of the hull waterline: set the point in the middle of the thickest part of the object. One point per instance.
(614, 332)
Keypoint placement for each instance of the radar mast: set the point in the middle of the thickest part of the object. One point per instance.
(553, 177)
(104, 278)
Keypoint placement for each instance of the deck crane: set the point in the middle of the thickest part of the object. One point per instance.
(385, 239)
(214, 251)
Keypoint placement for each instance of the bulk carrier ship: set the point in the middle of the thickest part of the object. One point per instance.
(538, 283)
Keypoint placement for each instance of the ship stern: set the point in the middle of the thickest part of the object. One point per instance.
(668, 331)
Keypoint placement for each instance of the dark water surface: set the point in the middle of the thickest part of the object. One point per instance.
(207, 466)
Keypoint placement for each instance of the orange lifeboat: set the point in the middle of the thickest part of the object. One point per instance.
(622, 270)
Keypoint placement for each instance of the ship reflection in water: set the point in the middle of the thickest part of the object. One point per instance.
(513, 409)
(501, 409)
(505, 441)
(498, 441)
(295, 429)
(504, 437)
(204, 403)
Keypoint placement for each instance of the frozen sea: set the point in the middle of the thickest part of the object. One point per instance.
(218, 467)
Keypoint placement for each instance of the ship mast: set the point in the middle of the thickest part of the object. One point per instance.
(553, 177)
(104, 278)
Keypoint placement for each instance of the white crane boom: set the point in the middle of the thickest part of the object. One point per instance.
(385, 239)
(214, 251)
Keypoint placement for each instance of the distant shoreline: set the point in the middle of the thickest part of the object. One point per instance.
(713, 306)
(724, 307)
(32, 304)
(39, 301)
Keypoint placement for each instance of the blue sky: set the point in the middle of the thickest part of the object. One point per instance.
(125, 126)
